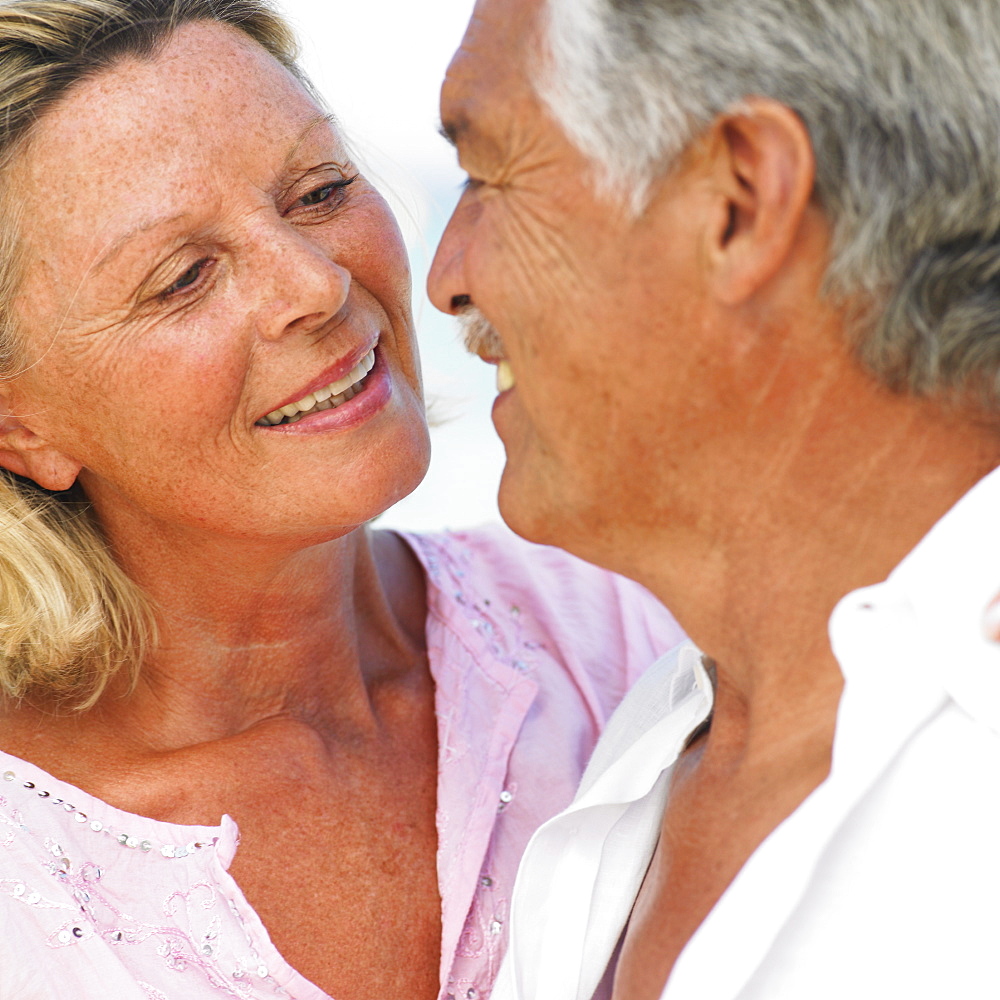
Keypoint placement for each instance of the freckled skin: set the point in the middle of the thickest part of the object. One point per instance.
(292, 290)
(290, 687)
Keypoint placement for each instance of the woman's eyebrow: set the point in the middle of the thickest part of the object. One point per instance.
(119, 244)
(328, 119)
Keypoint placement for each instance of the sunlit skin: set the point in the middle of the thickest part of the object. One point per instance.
(199, 250)
(687, 411)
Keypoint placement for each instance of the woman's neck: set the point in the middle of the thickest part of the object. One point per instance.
(250, 634)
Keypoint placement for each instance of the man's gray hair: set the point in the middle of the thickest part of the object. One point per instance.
(902, 102)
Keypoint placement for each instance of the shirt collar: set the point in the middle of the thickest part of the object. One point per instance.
(954, 572)
(939, 593)
(649, 730)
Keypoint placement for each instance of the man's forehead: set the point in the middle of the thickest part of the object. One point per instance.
(498, 46)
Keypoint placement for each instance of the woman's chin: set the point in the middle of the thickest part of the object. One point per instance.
(378, 488)
(419, 457)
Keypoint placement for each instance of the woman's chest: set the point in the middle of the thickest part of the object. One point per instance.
(334, 879)
(337, 855)
(344, 878)
(94, 891)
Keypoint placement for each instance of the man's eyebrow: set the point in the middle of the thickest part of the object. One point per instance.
(453, 129)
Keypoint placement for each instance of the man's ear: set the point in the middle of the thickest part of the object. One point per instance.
(25, 453)
(763, 170)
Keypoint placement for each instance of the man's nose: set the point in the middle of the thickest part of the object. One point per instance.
(447, 281)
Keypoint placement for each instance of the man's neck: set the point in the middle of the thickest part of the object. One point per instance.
(779, 546)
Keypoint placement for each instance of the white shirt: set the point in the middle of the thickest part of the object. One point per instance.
(883, 884)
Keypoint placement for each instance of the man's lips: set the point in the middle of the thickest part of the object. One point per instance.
(505, 374)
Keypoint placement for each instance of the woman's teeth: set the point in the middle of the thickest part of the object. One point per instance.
(505, 377)
(327, 398)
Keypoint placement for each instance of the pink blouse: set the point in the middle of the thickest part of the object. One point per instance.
(530, 651)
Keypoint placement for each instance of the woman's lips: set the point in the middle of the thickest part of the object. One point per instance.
(336, 379)
(369, 395)
(326, 397)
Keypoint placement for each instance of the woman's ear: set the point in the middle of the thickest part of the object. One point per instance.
(25, 453)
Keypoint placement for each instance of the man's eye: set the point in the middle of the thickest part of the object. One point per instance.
(186, 280)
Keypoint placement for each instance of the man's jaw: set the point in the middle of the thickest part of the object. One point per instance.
(482, 339)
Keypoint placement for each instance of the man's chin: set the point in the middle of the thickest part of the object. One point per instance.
(518, 503)
(529, 508)
(535, 499)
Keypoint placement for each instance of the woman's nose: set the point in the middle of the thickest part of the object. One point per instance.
(304, 286)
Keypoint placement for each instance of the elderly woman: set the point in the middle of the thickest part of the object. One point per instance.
(211, 385)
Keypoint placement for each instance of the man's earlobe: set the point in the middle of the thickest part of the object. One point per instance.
(25, 453)
(765, 171)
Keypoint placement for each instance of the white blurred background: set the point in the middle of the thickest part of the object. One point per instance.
(379, 65)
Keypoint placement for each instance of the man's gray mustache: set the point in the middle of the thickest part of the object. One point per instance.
(479, 334)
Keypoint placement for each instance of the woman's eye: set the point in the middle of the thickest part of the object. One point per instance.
(318, 196)
(323, 194)
(186, 280)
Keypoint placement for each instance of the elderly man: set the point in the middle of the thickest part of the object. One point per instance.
(738, 263)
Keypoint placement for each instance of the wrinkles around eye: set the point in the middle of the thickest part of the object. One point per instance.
(189, 279)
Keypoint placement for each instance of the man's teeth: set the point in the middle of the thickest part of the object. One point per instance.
(327, 398)
(505, 377)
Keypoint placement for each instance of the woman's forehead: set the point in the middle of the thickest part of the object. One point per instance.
(212, 110)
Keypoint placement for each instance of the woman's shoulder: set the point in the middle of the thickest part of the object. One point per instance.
(588, 618)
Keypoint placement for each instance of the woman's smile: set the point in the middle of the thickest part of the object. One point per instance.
(343, 403)
(328, 396)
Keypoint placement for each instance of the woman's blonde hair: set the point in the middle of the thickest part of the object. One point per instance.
(70, 618)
